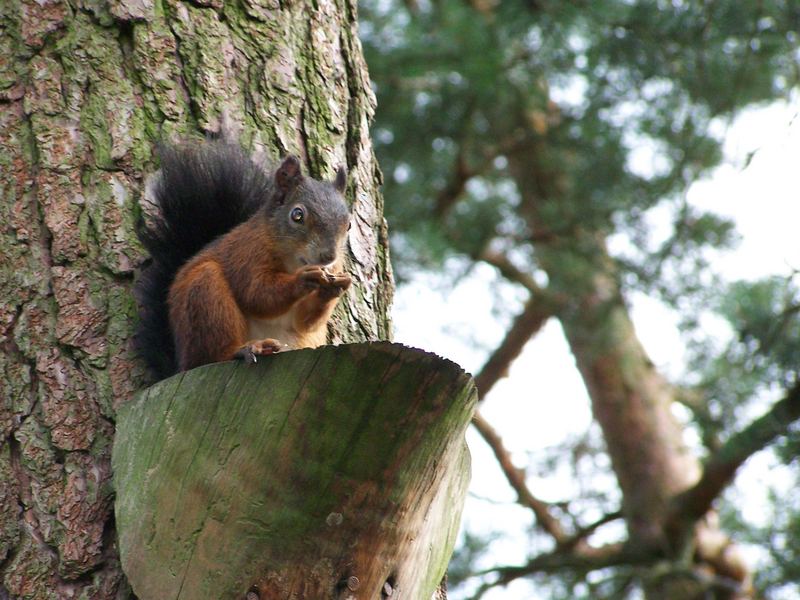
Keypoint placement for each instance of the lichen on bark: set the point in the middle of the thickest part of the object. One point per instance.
(86, 89)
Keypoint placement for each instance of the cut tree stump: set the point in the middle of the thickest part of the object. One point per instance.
(338, 472)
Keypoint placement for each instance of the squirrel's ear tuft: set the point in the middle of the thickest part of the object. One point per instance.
(288, 174)
(341, 179)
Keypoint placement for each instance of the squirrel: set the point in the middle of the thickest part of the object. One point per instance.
(243, 264)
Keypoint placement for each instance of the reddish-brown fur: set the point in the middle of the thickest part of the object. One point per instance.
(249, 275)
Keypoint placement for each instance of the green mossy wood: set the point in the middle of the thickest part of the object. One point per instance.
(293, 476)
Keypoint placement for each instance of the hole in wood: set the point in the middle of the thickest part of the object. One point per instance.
(253, 594)
(389, 586)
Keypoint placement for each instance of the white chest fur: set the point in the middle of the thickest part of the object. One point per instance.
(280, 328)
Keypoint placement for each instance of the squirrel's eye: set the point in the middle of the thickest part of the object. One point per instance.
(297, 215)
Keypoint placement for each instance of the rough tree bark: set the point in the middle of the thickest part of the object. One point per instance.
(86, 88)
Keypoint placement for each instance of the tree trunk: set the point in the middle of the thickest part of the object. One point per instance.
(632, 402)
(85, 91)
(630, 399)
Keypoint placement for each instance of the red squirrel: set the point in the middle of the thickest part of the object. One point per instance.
(243, 263)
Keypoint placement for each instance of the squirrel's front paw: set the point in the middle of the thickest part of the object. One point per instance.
(336, 285)
(329, 284)
(251, 350)
(313, 276)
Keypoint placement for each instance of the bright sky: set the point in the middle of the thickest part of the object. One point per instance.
(543, 400)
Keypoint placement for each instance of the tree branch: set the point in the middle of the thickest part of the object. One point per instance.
(516, 478)
(524, 327)
(721, 467)
(586, 559)
(463, 172)
(548, 299)
(696, 402)
(509, 270)
(451, 193)
(540, 307)
(583, 532)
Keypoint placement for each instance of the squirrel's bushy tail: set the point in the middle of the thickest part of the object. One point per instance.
(202, 192)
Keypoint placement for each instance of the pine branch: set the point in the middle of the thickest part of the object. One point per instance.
(585, 559)
(524, 327)
(462, 171)
(510, 271)
(451, 193)
(582, 533)
(516, 478)
(721, 468)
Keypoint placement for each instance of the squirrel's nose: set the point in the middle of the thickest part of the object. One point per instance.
(326, 258)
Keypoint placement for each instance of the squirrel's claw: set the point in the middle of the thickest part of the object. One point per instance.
(250, 352)
(336, 285)
(340, 280)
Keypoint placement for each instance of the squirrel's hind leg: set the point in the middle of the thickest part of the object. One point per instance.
(206, 322)
(255, 348)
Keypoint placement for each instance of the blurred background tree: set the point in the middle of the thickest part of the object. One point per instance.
(540, 138)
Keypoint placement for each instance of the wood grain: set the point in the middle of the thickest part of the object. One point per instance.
(295, 475)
